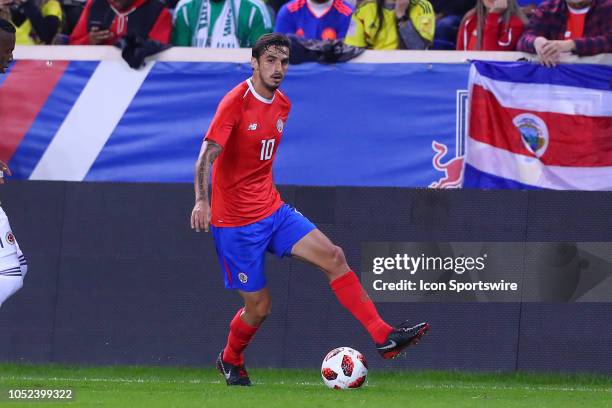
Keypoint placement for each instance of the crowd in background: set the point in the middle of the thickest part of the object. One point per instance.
(545, 27)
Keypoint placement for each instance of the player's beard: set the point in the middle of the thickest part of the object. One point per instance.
(271, 85)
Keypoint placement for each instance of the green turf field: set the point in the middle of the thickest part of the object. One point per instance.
(150, 387)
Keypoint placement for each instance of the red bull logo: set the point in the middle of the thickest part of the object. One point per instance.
(453, 168)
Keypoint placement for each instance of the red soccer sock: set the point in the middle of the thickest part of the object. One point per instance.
(239, 337)
(353, 297)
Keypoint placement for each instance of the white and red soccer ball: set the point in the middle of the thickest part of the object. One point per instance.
(343, 368)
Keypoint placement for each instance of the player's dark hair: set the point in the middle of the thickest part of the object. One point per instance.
(7, 26)
(270, 40)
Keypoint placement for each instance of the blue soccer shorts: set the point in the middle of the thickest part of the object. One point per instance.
(242, 250)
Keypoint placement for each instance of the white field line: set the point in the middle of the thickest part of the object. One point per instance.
(306, 383)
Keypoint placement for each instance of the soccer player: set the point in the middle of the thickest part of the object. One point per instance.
(249, 218)
(13, 266)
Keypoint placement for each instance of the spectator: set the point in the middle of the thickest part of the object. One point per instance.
(36, 21)
(104, 22)
(494, 25)
(205, 23)
(583, 27)
(315, 19)
(405, 24)
(7, 44)
(449, 14)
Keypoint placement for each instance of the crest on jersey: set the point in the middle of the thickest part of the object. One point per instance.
(242, 277)
(10, 238)
(280, 125)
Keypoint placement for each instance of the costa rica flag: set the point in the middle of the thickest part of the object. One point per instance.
(533, 127)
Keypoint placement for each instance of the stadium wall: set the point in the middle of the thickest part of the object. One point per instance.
(117, 277)
(89, 117)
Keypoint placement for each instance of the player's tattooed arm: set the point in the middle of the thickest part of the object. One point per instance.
(210, 151)
(200, 216)
(4, 169)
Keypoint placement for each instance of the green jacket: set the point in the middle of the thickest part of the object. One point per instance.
(253, 21)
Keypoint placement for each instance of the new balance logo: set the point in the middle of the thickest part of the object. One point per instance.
(253, 126)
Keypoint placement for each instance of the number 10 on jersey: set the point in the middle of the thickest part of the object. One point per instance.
(267, 147)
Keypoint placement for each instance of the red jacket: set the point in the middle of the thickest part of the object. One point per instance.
(161, 30)
(495, 36)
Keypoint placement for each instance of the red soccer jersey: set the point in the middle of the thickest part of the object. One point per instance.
(575, 24)
(249, 128)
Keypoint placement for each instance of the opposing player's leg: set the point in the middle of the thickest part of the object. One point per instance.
(13, 266)
(241, 253)
(318, 250)
(9, 284)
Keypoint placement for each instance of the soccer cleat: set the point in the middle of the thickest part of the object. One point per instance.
(400, 338)
(234, 375)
